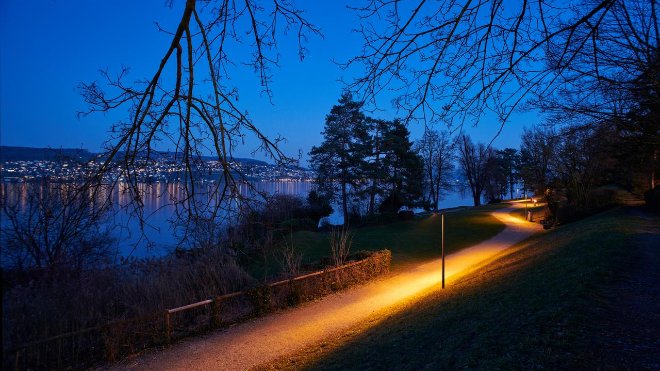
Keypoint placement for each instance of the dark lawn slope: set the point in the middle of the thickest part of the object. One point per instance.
(582, 296)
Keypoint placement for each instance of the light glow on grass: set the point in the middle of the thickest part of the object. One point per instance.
(427, 277)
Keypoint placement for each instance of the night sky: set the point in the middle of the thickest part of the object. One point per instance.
(50, 46)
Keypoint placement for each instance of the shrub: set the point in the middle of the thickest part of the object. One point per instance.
(391, 204)
(298, 224)
(378, 219)
(96, 297)
(341, 240)
(652, 199)
(600, 198)
(56, 226)
(289, 258)
(318, 206)
(260, 297)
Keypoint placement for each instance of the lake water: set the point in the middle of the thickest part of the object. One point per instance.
(158, 237)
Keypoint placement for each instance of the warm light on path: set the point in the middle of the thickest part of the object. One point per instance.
(256, 342)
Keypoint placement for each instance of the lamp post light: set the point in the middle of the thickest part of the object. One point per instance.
(525, 190)
(443, 249)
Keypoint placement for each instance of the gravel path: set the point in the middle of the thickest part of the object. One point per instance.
(258, 341)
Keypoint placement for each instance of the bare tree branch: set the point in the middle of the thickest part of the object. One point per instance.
(189, 103)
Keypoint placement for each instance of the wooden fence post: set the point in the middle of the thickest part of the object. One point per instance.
(215, 313)
(168, 327)
(110, 355)
(17, 360)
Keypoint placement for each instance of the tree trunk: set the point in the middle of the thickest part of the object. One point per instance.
(344, 202)
(653, 166)
(510, 186)
(372, 198)
(476, 197)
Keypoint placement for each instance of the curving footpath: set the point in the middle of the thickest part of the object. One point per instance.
(264, 339)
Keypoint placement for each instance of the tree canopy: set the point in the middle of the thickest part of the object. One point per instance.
(453, 61)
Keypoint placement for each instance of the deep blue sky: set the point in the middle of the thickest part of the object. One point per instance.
(49, 46)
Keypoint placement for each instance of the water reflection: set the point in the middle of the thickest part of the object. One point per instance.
(157, 236)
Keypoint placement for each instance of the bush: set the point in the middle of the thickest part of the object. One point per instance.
(318, 206)
(54, 226)
(100, 296)
(260, 297)
(652, 199)
(601, 198)
(298, 224)
(391, 204)
(597, 200)
(378, 219)
(341, 241)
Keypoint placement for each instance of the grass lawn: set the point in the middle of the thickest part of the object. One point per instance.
(563, 299)
(411, 241)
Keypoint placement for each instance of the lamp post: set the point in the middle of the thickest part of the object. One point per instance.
(525, 192)
(443, 249)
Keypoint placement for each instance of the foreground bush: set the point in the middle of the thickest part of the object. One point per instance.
(40, 309)
(652, 199)
(105, 315)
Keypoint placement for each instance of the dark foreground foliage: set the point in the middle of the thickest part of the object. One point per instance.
(112, 315)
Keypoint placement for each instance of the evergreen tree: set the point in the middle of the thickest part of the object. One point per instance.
(509, 160)
(376, 170)
(403, 166)
(340, 161)
(496, 180)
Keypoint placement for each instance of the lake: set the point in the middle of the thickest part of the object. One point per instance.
(158, 236)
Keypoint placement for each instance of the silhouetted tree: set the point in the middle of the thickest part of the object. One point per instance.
(319, 206)
(473, 160)
(613, 80)
(376, 168)
(340, 160)
(496, 177)
(403, 166)
(585, 62)
(639, 132)
(437, 152)
(583, 160)
(538, 149)
(189, 103)
(510, 161)
(53, 226)
(454, 60)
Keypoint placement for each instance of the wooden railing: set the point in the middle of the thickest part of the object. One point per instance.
(78, 349)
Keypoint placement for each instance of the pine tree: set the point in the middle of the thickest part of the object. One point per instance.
(403, 167)
(340, 161)
(376, 169)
